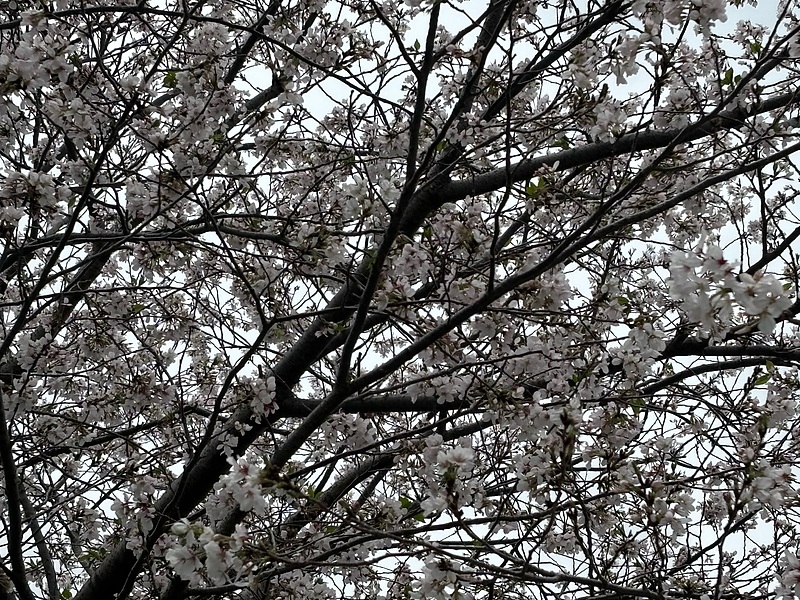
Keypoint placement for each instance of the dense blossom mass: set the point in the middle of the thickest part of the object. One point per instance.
(368, 299)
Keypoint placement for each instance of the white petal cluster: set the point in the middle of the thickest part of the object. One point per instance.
(448, 475)
(458, 457)
(243, 484)
(710, 290)
(762, 297)
(202, 553)
(789, 577)
(439, 580)
(702, 12)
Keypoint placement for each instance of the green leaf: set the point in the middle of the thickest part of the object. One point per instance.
(770, 366)
(763, 379)
(755, 48)
(728, 79)
(578, 377)
(66, 594)
(409, 504)
(171, 79)
(416, 45)
(534, 189)
(563, 143)
(370, 256)
(623, 300)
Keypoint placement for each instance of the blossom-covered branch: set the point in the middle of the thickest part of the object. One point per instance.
(371, 299)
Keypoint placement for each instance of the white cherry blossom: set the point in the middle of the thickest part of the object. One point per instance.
(373, 299)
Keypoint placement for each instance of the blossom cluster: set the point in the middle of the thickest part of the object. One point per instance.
(710, 289)
(244, 485)
(439, 254)
(449, 472)
(203, 554)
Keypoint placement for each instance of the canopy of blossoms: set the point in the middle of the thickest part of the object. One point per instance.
(373, 299)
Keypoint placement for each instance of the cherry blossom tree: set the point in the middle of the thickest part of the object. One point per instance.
(371, 299)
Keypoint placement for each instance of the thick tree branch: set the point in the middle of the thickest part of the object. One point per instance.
(627, 144)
